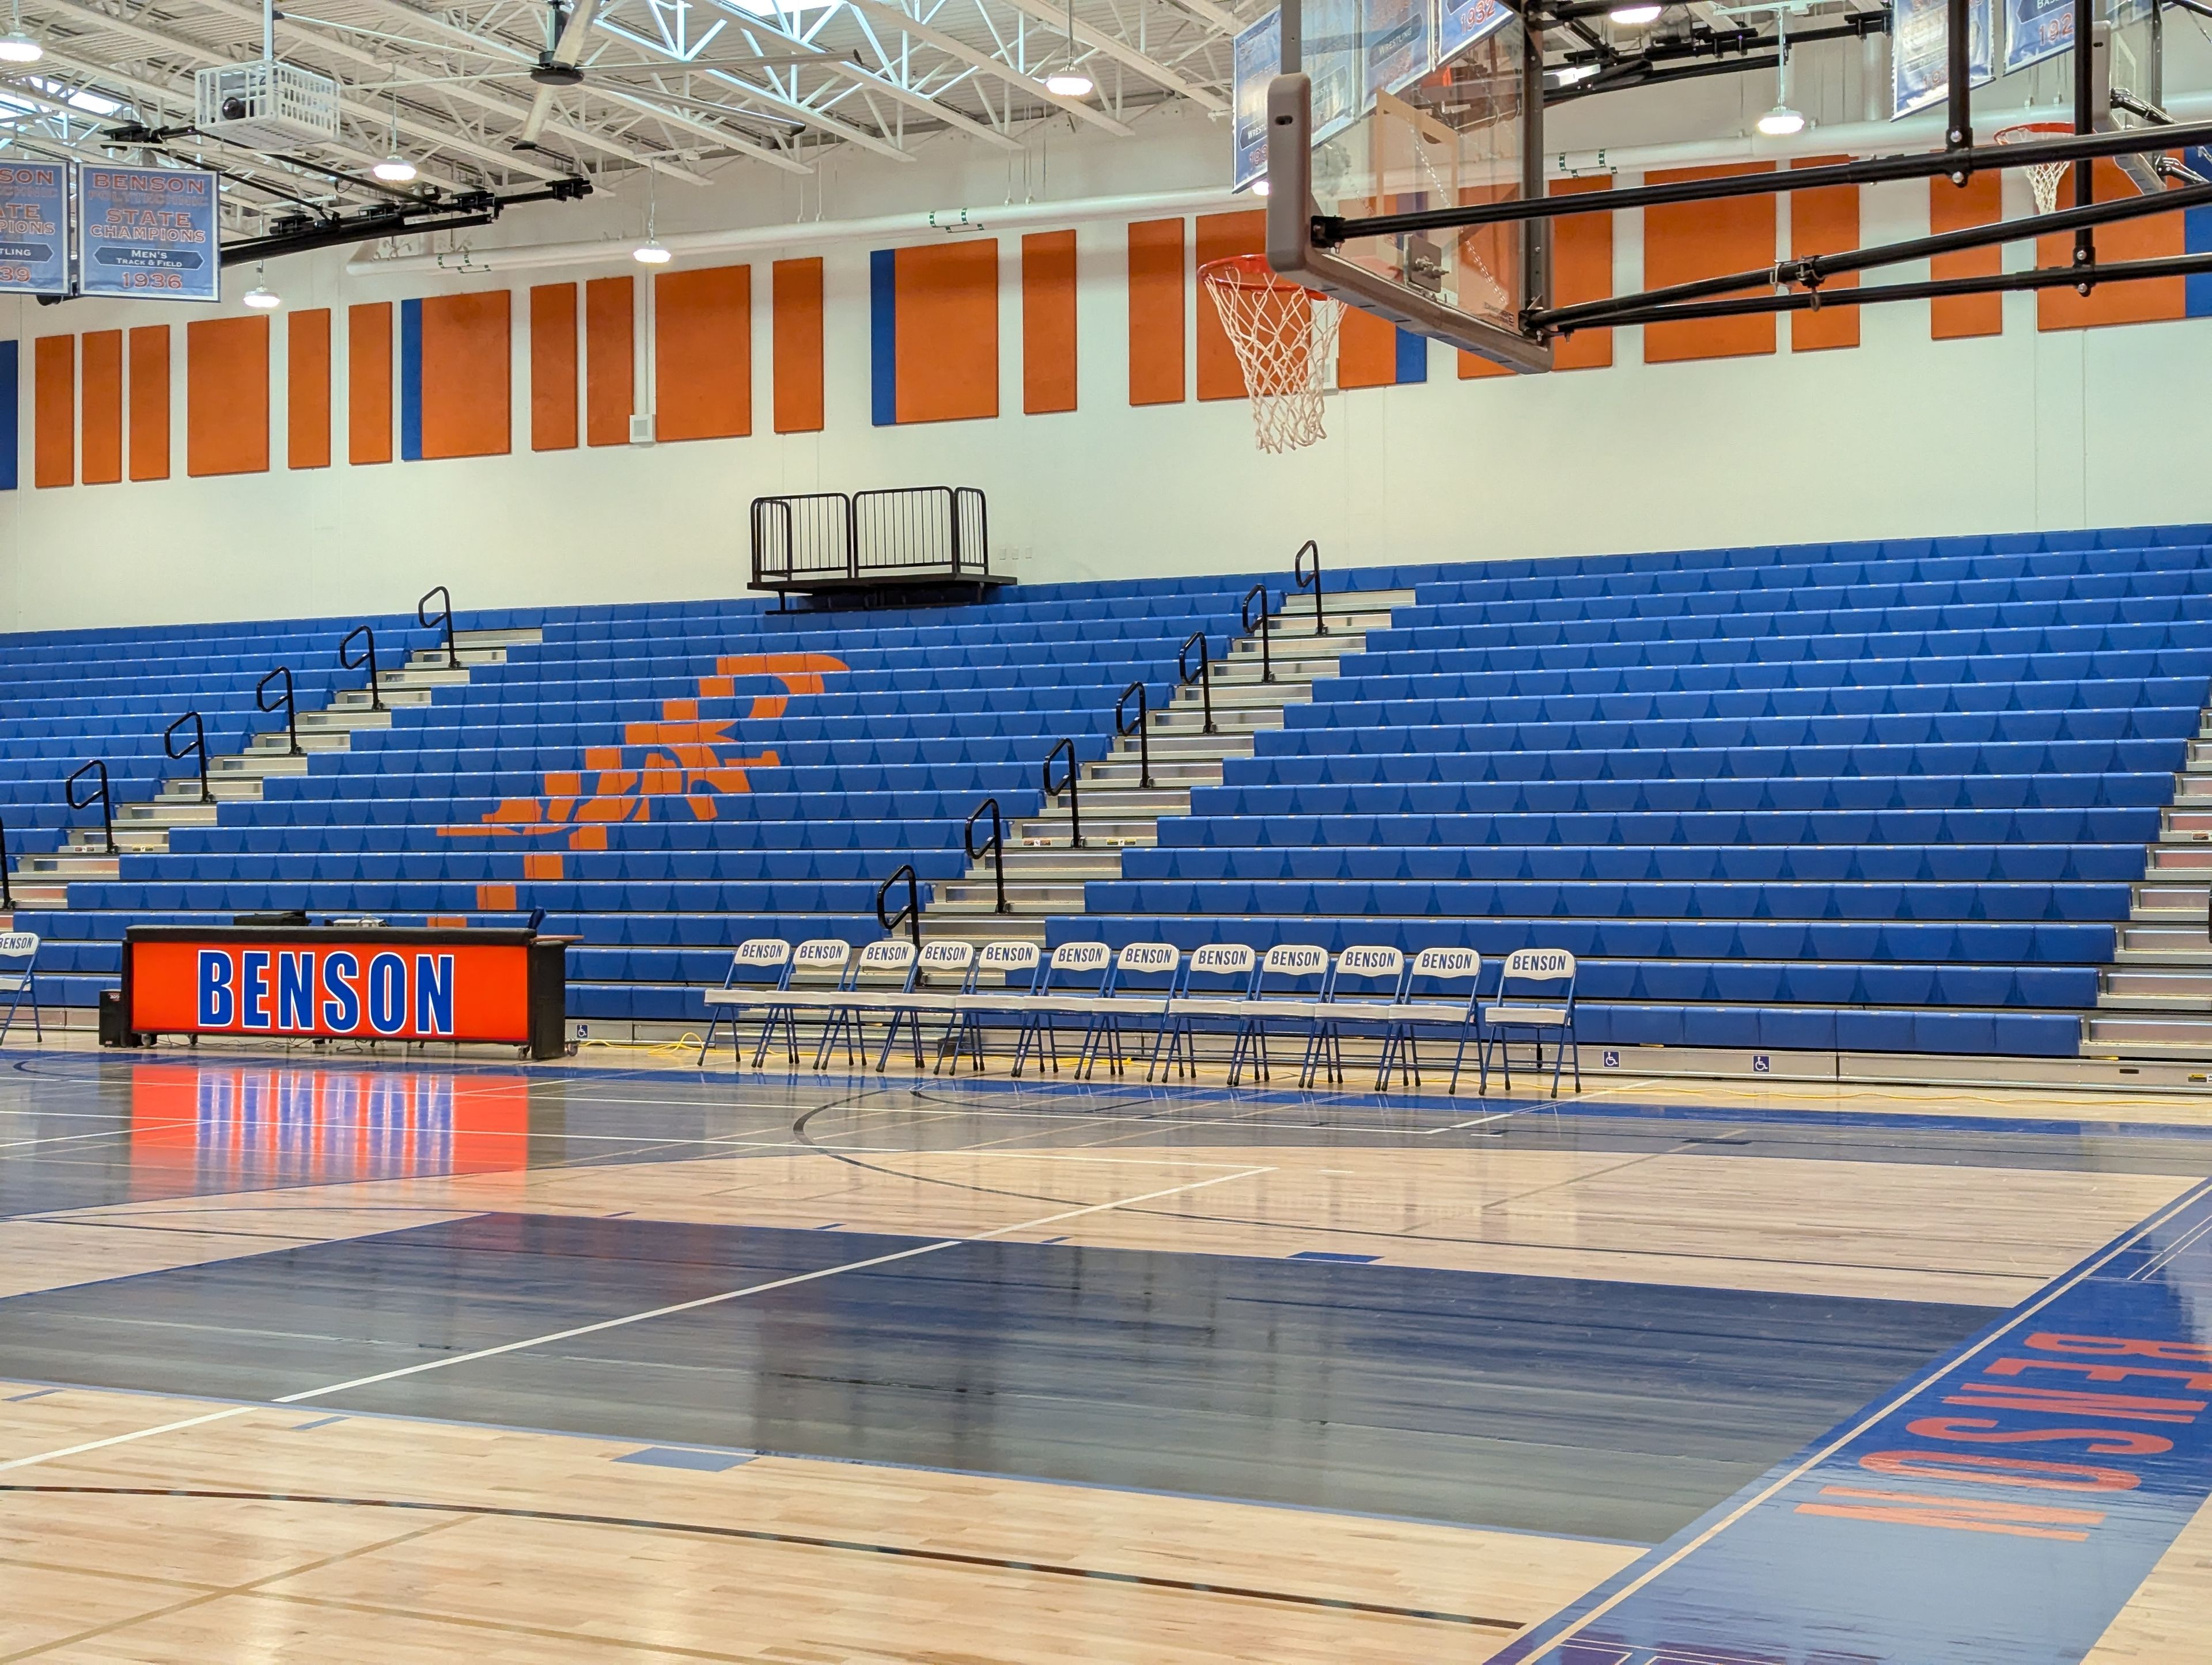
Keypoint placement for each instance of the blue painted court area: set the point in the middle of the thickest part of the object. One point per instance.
(2002, 1507)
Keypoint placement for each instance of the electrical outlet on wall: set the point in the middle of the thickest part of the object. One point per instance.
(1011, 558)
(641, 430)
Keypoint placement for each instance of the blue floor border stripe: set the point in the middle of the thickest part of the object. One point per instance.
(2059, 1474)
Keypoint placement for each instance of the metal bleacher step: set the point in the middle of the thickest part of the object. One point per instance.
(2153, 1034)
(67, 865)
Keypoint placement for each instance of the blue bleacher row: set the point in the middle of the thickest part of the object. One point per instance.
(1744, 762)
(1683, 1021)
(1451, 673)
(832, 822)
(1360, 731)
(1740, 864)
(1526, 646)
(410, 897)
(1864, 792)
(1028, 726)
(424, 817)
(959, 779)
(510, 760)
(2133, 827)
(2177, 572)
(479, 866)
(1724, 899)
(1443, 699)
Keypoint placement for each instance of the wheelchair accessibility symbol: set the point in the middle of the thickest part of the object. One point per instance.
(1612, 1060)
(1761, 1064)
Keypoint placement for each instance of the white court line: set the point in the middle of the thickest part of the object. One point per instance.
(617, 1323)
(2194, 1195)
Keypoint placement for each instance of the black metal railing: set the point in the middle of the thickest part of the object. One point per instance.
(909, 913)
(1308, 578)
(834, 536)
(291, 712)
(7, 890)
(1263, 627)
(367, 657)
(1075, 807)
(100, 796)
(1203, 676)
(995, 848)
(1142, 729)
(422, 618)
(196, 746)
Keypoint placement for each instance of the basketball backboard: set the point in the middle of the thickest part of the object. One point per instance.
(1356, 107)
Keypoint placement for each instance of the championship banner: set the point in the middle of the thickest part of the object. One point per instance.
(1920, 52)
(34, 228)
(2035, 29)
(1460, 23)
(148, 232)
(1255, 59)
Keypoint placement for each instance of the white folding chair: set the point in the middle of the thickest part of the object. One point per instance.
(1530, 1001)
(21, 945)
(1052, 997)
(1124, 994)
(1401, 1049)
(1008, 961)
(1381, 970)
(1282, 968)
(955, 960)
(891, 960)
(756, 958)
(1228, 968)
(817, 958)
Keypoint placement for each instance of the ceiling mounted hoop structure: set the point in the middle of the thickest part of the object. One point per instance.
(2043, 178)
(1284, 334)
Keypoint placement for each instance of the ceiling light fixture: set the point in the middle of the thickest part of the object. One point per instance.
(650, 252)
(15, 46)
(1635, 16)
(1260, 187)
(1781, 122)
(1568, 74)
(1069, 81)
(261, 297)
(394, 169)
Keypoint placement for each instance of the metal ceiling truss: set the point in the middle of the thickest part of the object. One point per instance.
(496, 101)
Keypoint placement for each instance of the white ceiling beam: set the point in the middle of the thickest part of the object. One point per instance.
(877, 82)
(492, 46)
(162, 40)
(1123, 53)
(953, 46)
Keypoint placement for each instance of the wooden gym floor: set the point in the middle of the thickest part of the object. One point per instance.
(346, 1361)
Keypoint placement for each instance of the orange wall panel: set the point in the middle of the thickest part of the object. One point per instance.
(610, 360)
(1582, 270)
(226, 396)
(149, 402)
(1159, 372)
(1825, 221)
(947, 330)
(1686, 241)
(795, 327)
(100, 408)
(1366, 349)
(307, 389)
(1980, 202)
(1048, 322)
(553, 366)
(369, 383)
(2156, 237)
(467, 386)
(702, 353)
(53, 410)
(1221, 235)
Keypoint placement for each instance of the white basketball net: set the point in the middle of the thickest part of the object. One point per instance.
(1285, 340)
(2043, 178)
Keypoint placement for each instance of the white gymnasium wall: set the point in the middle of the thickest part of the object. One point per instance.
(1900, 436)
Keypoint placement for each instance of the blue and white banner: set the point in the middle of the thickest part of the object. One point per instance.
(1400, 45)
(1255, 59)
(2035, 29)
(1460, 23)
(34, 227)
(148, 232)
(1920, 52)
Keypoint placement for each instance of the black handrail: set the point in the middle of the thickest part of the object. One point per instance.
(291, 714)
(1203, 676)
(996, 848)
(1310, 580)
(1142, 731)
(198, 744)
(1074, 809)
(909, 913)
(7, 891)
(1263, 628)
(101, 798)
(375, 694)
(423, 618)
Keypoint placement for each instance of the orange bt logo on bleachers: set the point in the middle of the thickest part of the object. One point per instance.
(682, 759)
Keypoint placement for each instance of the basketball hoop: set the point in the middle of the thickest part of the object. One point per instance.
(1284, 336)
(2043, 177)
